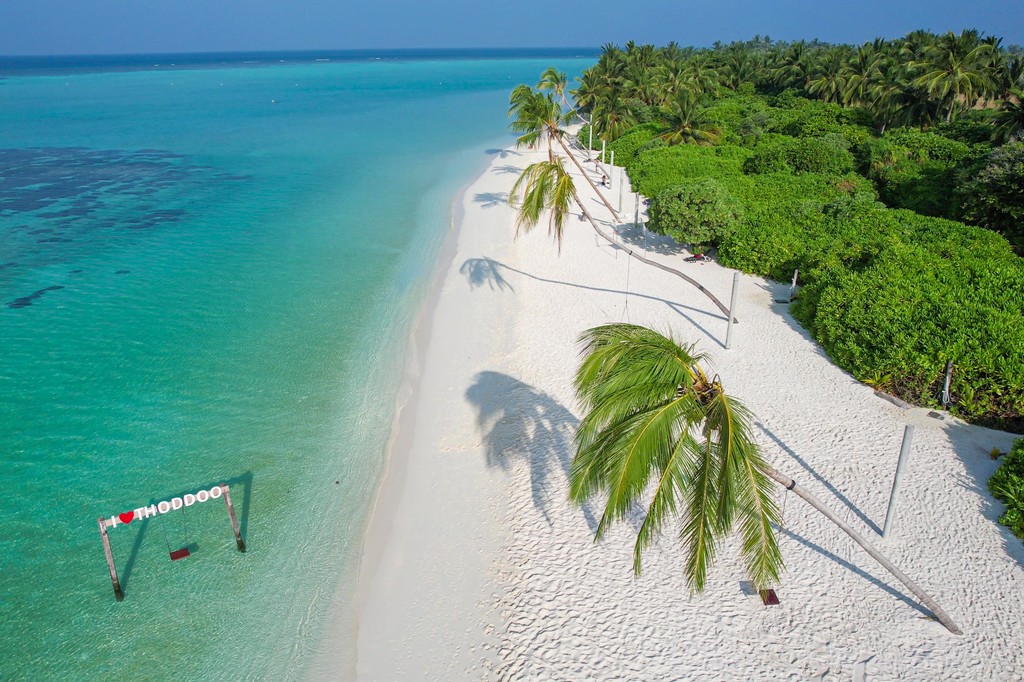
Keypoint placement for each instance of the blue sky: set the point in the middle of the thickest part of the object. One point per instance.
(134, 26)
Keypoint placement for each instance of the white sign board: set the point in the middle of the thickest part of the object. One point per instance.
(186, 500)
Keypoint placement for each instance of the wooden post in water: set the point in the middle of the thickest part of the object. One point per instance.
(234, 519)
(118, 594)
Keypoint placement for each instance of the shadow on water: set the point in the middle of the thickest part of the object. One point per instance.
(822, 480)
(182, 530)
(518, 421)
(480, 271)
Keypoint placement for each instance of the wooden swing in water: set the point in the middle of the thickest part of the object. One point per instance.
(223, 490)
(184, 551)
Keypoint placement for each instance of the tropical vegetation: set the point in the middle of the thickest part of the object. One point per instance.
(653, 414)
(890, 174)
(1007, 486)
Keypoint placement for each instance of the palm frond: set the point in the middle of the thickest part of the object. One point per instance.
(543, 185)
(655, 425)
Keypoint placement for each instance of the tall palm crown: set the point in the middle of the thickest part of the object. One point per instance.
(535, 116)
(654, 415)
(687, 124)
(955, 70)
(556, 81)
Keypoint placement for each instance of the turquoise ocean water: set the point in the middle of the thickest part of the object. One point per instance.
(210, 274)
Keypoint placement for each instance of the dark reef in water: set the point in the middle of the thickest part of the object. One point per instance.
(59, 203)
(26, 301)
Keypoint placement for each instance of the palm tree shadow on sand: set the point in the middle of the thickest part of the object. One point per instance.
(481, 271)
(517, 421)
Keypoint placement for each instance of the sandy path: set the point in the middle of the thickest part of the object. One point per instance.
(479, 568)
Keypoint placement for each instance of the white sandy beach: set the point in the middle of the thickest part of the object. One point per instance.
(477, 567)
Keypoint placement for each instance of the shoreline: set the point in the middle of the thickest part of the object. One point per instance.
(397, 450)
(478, 566)
(383, 554)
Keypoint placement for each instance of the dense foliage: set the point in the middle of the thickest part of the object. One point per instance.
(853, 165)
(698, 212)
(995, 196)
(1007, 485)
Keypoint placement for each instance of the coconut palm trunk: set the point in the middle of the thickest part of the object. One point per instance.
(600, 196)
(791, 485)
(700, 287)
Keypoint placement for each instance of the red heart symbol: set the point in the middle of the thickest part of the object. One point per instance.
(126, 517)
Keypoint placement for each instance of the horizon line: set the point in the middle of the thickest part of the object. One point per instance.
(295, 51)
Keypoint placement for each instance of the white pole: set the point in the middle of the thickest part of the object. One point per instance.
(732, 309)
(590, 145)
(622, 182)
(908, 434)
(613, 158)
(636, 216)
(602, 152)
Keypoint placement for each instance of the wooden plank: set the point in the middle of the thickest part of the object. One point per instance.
(234, 520)
(118, 594)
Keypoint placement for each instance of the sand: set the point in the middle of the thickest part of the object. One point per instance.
(477, 567)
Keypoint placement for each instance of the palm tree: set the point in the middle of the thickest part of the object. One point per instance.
(687, 124)
(828, 80)
(556, 81)
(794, 68)
(656, 427)
(548, 186)
(538, 115)
(955, 71)
(861, 72)
(542, 186)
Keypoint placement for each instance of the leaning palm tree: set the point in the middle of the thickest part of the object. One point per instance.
(556, 81)
(535, 116)
(658, 431)
(652, 412)
(542, 186)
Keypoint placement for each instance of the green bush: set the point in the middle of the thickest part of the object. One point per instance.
(697, 212)
(771, 155)
(1007, 485)
(891, 294)
(917, 170)
(994, 197)
(584, 137)
(828, 155)
(928, 146)
(662, 167)
(903, 311)
(626, 146)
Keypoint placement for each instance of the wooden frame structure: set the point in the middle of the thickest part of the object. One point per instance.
(109, 554)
